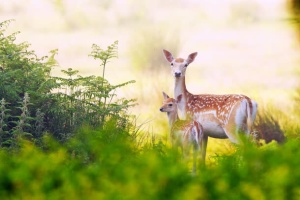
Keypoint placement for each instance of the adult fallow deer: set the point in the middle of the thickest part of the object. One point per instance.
(222, 116)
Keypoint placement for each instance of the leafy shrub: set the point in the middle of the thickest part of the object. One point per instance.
(21, 73)
(57, 105)
(104, 163)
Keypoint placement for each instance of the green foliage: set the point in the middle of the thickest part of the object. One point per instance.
(22, 72)
(105, 55)
(97, 163)
(104, 163)
(85, 100)
(266, 173)
(61, 105)
(3, 123)
(23, 120)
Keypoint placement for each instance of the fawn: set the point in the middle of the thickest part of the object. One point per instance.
(183, 133)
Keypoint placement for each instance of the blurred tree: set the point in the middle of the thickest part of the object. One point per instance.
(294, 6)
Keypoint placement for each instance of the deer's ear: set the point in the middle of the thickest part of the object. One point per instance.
(191, 57)
(168, 55)
(179, 97)
(165, 96)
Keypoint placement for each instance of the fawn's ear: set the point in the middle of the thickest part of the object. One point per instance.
(191, 57)
(179, 97)
(165, 96)
(168, 55)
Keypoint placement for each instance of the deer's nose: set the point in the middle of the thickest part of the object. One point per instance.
(177, 74)
(161, 109)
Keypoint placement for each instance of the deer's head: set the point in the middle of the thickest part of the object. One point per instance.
(170, 104)
(179, 65)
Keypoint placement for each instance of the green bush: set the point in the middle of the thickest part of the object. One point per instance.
(97, 163)
(104, 163)
(34, 102)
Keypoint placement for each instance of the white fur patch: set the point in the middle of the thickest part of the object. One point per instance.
(241, 114)
(211, 125)
(254, 111)
(210, 112)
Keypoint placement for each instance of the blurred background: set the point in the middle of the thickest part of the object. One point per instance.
(243, 46)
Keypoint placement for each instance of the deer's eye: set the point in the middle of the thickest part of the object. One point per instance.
(172, 64)
(170, 105)
(186, 65)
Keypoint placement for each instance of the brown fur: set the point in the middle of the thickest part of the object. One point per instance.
(179, 60)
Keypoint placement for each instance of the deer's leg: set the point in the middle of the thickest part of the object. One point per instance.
(203, 145)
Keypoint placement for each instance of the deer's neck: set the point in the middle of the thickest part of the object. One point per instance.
(173, 117)
(180, 87)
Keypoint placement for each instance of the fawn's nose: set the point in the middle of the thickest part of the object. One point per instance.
(177, 74)
(161, 109)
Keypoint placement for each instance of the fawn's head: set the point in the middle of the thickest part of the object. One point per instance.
(179, 65)
(170, 104)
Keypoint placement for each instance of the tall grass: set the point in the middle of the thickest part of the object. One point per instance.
(267, 125)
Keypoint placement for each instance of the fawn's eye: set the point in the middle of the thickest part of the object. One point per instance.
(172, 64)
(170, 105)
(186, 65)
